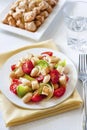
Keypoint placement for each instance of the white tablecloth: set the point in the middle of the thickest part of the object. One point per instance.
(71, 120)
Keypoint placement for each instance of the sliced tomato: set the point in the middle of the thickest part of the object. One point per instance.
(54, 74)
(59, 91)
(37, 97)
(13, 67)
(48, 53)
(27, 67)
(40, 78)
(13, 88)
(17, 81)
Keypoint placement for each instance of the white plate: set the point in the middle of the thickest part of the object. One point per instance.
(33, 35)
(5, 81)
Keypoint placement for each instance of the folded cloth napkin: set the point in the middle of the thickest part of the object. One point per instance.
(14, 115)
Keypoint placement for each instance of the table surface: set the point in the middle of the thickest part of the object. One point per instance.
(71, 120)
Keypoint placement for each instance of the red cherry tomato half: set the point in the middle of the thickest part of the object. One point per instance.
(37, 98)
(17, 81)
(59, 91)
(27, 67)
(54, 74)
(48, 53)
(40, 78)
(13, 67)
(13, 88)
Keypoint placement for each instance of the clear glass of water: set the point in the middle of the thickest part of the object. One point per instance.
(75, 17)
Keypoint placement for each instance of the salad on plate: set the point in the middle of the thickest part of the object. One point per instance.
(35, 78)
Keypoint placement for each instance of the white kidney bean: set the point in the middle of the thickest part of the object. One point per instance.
(34, 72)
(46, 78)
(45, 71)
(66, 70)
(35, 85)
(19, 72)
(53, 59)
(27, 97)
(62, 80)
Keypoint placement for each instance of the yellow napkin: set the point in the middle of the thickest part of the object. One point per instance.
(14, 115)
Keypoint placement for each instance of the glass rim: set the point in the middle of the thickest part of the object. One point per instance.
(70, 2)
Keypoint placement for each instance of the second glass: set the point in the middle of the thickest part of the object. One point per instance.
(75, 17)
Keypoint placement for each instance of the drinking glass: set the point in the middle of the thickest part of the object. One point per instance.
(75, 17)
